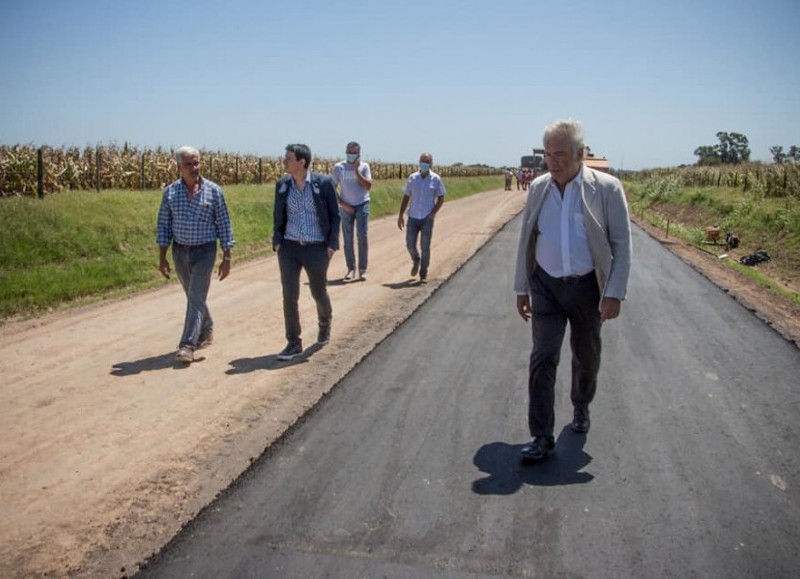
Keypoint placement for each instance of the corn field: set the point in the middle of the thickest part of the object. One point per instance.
(24, 167)
(776, 181)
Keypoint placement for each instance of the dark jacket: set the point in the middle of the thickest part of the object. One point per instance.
(324, 201)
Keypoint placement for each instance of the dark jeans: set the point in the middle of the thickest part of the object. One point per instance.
(194, 265)
(292, 258)
(420, 228)
(553, 304)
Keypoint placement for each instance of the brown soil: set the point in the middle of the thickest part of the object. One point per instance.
(108, 447)
(780, 313)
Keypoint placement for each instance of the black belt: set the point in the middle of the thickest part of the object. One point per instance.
(568, 279)
(306, 242)
(184, 246)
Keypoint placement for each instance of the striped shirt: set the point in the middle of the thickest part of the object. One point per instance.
(302, 221)
(194, 220)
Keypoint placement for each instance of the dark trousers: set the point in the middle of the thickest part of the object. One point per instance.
(194, 265)
(554, 303)
(292, 258)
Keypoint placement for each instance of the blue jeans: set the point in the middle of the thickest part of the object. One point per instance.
(292, 259)
(194, 265)
(423, 228)
(359, 217)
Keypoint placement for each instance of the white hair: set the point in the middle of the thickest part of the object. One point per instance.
(186, 151)
(571, 129)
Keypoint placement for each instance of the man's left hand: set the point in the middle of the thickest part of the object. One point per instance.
(224, 269)
(609, 309)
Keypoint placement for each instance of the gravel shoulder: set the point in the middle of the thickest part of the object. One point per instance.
(109, 447)
(781, 314)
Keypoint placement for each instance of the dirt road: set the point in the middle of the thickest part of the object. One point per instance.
(108, 447)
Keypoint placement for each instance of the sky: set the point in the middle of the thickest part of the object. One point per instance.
(471, 82)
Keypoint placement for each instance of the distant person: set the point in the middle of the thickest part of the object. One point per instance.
(192, 216)
(572, 266)
(508, 177)
(423, 195)
(518, 177)
(527, 177)
(305, 235)
(354, 180)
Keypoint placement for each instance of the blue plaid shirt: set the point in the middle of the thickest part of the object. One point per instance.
(194, 221)
(303, 222)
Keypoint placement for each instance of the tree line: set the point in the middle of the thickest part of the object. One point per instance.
(734, 148)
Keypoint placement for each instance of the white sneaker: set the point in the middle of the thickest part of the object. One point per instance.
(350, 275)
(363, 276)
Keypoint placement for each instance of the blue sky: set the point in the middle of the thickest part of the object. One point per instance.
(472, 82)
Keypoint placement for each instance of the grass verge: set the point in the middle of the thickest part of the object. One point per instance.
(82, 246)
(760, 222)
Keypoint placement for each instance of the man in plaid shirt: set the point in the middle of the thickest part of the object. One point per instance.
(192, 216)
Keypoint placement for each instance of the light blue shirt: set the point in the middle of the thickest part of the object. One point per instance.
(350, 189)
(423, 191)
(562, 247)
(302, 221)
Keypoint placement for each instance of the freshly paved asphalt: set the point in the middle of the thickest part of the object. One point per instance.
(409, 467)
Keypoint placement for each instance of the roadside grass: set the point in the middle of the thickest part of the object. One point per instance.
(760, 222)
(83, 246)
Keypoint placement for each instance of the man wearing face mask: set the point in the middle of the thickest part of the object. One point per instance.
(354, 180)
(423, 195)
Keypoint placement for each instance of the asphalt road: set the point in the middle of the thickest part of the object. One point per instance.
(409, 467)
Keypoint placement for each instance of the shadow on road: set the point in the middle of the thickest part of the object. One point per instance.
(506, 473)
(161, 362)
(270, 361)
(404, 284)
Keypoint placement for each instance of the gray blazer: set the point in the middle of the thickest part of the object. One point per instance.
(605, 214)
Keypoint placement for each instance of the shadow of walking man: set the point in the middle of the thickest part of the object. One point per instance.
(506, 473)
(132, 368)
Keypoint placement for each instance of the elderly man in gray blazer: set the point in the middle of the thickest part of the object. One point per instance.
(573, 262)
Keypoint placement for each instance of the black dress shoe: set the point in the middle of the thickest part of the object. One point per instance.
(541, 447)
(580, 421)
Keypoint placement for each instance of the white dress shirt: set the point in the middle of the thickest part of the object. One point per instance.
(562, 248)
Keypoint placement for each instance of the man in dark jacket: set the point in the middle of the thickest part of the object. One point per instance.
(305, 235)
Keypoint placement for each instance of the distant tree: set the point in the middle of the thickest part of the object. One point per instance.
(778, 156)
(733, 148)
(794, 154)
(707, 155)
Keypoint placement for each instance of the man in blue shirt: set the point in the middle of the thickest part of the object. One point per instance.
(305, 235)
(423, 196)
(192, 216)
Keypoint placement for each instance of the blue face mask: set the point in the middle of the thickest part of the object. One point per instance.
(351, 157)
(424, 167)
